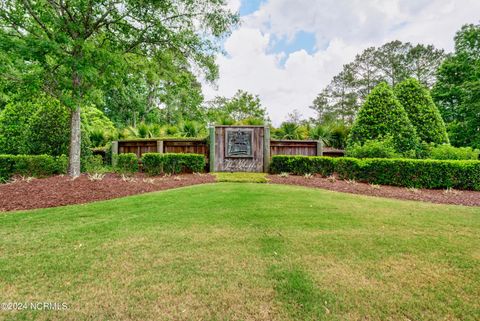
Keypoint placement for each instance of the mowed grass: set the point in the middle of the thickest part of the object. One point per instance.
(241, 177)
(231, 251)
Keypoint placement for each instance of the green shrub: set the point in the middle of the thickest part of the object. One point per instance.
(383, 116)
(31, 166)
(49, 129)
(349, 168)
(460, 174)
(14, 120)
(93, 164)
(422, 112)
(127, 163)
(373, 149)
(455, 153)
(152, 163)
(422, 173)
(301, 165)
(172, 163)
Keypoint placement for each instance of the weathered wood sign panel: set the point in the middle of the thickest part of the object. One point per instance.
(239, 148)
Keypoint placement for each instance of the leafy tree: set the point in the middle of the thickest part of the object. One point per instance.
(422, 112)
(14, 120)
(382, 116)
(80, 45)
(392, 63)
(161, 90)
(241, 106)
(457, 91)
(48, 130)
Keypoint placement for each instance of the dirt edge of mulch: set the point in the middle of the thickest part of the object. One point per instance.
(27, 194)
(452, 197)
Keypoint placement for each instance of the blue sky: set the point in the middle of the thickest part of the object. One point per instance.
(286, 51)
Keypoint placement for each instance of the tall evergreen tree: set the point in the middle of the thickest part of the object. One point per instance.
(457, 90)
(422, 111)
(381, 117)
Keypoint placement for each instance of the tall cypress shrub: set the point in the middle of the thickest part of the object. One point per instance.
(422, 111)
(380, 117)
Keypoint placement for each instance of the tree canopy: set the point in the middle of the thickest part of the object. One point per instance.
(74, 50)
(243, 107)
(391, 63)
(457, 91)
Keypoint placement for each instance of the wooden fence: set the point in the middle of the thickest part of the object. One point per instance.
(295, 147)
(201, 146)
(175, 145)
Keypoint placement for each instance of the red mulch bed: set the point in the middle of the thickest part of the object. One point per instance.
(62, 190)
(467, 198)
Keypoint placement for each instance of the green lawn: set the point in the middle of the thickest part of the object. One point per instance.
(231, 251)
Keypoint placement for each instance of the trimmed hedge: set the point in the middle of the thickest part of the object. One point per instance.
(300, 165)
(31, 165)
(127, 163)
(461, 174)
(172, 163)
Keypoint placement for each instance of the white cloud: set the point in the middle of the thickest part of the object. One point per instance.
(234, 5)
(342, 29)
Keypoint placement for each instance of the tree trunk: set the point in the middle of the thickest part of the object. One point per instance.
(75, 143)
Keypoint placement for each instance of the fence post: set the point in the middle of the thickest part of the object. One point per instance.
(160, 146)
(266, 149)
(212, 149)
(114, 153)
(319, 147)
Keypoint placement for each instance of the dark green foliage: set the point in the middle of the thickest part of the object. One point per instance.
(373, 149)
(31, 166)
(301, 165)
(127, 163)
(457, 90)
(172, 163)
(382, 116)
(422, 173)
(14, 121)
(461, 174)
(152, 163)
(48, 131)
(450, 152)
(93, 164)
(348, 168)
(422, 112)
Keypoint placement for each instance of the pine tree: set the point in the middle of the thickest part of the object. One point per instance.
(382, 116)
(422, 111)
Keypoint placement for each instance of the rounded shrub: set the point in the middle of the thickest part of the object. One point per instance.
(382, 116)
(422, 111)
(373, 149)
(127, 163)
(48, 131)
(455, 153)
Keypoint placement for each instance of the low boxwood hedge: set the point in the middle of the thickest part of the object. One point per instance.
(172, 163)
(127, 163)
(300, 165)
(31, 165)
(461, 174)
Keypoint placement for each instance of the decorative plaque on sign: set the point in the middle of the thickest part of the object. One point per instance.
(238, 142)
